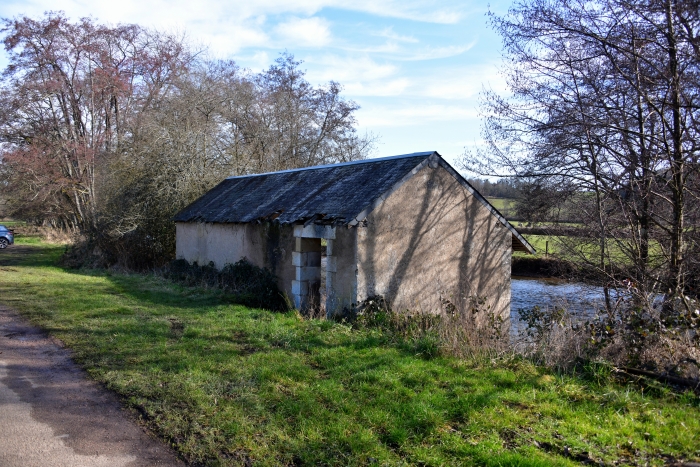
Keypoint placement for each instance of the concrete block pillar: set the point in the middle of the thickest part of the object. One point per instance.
(306, 257)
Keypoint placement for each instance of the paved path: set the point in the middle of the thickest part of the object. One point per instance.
(52, 415)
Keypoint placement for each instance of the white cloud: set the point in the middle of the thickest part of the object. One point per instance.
(165, 12)
(452, 89)
(360, 76)
(365, 76)
(233, 25)
(382, 63)
(313, 32)
(463, 83)
(223, 44)
(416, 10)
(256, 62)
(394, 87)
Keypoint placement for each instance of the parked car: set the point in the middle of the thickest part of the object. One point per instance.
(7, 237)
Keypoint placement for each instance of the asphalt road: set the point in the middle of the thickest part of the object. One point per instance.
(52, 415)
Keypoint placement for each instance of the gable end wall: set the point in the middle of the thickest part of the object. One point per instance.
(430, 239)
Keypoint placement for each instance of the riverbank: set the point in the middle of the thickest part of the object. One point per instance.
(231, 385)
(553, 267)
(535, 266)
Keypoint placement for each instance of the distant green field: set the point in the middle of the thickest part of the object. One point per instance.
(11, 224)
(501, 203)
(506, 206)
(576, 249)
(539, 243)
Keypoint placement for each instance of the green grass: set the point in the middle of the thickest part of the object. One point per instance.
(24, 240)
(539, 243)
(567, 248)
(500, 203)
(227, 385)
(12, 224)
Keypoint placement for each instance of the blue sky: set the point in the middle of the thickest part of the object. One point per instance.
(415, 67)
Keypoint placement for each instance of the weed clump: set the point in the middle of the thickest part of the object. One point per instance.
(244, 282)
(420, 331)
(630, 339)
(466, 329)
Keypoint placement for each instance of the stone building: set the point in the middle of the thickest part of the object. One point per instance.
(409, 228)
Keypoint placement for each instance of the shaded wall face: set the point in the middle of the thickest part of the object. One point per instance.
(344, 252)
(265, 245)
(431, 239)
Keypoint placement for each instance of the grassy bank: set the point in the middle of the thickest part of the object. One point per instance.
(229, 385)
(12, 224)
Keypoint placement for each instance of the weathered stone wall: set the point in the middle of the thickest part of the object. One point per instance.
(430, 239)
(265, 245)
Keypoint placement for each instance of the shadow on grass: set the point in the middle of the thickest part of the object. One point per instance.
(143, 288)
(31, 255)
(153, 303)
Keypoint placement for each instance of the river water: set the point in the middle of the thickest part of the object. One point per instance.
(577, 298)
(582, 301)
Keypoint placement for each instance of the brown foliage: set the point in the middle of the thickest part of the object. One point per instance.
(70, 95)
(113, 129)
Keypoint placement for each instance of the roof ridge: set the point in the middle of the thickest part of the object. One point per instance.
(342, 164)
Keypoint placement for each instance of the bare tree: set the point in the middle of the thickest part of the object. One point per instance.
(69, 97)
(111, 130)
(293, 124)
(604, 98)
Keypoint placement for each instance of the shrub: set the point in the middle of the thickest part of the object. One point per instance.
(635, 334)
(246, 283)
(375, 312)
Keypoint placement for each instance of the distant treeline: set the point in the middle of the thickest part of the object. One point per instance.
(502, 188)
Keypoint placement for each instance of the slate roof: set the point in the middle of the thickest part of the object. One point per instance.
(338, 194)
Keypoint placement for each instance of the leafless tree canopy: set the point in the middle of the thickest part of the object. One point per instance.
(603, 107)
(111, 129)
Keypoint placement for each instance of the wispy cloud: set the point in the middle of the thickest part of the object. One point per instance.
(360, 76)
(390, 34)
(395, 52)
(394, 87)
(237, 24)
(345, 69)
(433, 53)
(462, 83)
(385, 53)
(167, 11)
(422, 11)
